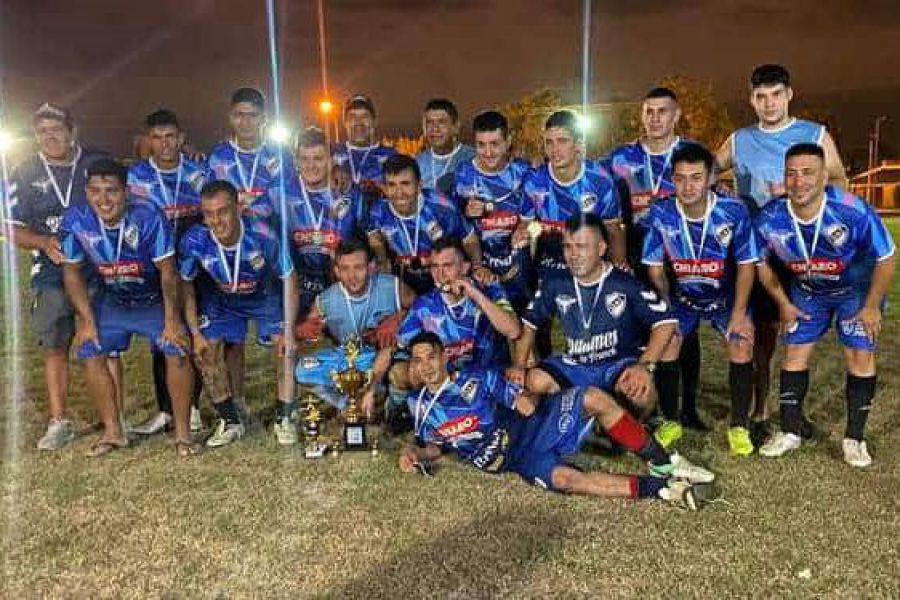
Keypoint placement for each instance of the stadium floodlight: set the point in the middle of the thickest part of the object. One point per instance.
(585, 123)
(6, 141)
(325, 107)
(279, 133)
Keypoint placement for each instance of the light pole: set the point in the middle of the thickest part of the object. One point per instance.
(874, 141)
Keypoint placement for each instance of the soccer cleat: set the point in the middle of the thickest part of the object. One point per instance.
(687, 495)
(225, 433)
(196, 420)
(692, 420)
(59, 433)
(668, 433)
(855, 453)
(156, 424)
(760, 432)
(679, 467)
(780, 444)
(739, 441)
(286, 431)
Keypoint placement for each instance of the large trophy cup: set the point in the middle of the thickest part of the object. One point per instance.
(352, 382)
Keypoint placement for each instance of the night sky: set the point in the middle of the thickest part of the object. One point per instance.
(113, 61)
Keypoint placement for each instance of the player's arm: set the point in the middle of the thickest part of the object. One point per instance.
(657, 275)
(615, 232)
(870, 315)
(411, 455)
(524, 347)
(501, 317)
(769, 280)
(472, 247)
(191, 307)
(837, 175)
(76, 291)
(379, 249)
(724, 155)
(169, 282)
(313, 324)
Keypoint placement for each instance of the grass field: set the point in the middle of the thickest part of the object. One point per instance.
(255, 520)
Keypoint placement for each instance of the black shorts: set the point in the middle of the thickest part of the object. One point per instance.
(52, 318)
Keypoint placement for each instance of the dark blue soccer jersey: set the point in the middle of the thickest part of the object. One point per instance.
(702, 252)
(125, 256)
(175, 191)
(364, 163)
(592, 192)
(318, 221)
(833, 254)
(607, 320)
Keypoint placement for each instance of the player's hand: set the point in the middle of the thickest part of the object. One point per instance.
(474, 208)
(520, 237)
(790, 317)
(201, 346)
(310, 329)
(483, 275)
(526, 403)
(86, 332)
(53, 249)
(173, 333)
(386, 331)
(408, 459)
(515, 375)
(458, 287)
(367, 403)
(740, 329)
(635, 382)
(870, 318)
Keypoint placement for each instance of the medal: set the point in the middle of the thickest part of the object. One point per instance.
(655, 184)
(710, 203)
(810, 252)
(488, 207)
(245, 183)
(64, 200)
(173, 203)
(315, 221)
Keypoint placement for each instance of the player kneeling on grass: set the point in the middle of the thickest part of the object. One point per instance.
(841, 259)
(497, 426)
(132, 246)
(708, 241)
(242, 257)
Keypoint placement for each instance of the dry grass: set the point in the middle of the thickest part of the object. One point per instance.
(255, 520)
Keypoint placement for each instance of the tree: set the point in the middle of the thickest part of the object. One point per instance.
(703, 117)
(526, 119)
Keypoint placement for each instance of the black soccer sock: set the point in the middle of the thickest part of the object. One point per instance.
(792, 392)
(285, 409)
(859, 393)
(163, 400)
(689, 359)
(740, 380)
(666, 379)
(228, 411)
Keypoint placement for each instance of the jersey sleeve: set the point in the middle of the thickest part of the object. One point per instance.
(653, 252)
(375, 220)
(608, 207)
(71, 247)
(760, 234)
(280, 258)
(188, 265)
(411, 326)
(876, 236)
(502, 391)
(18, 212)
(496, 293)
(649, 308)
(746, 247)
(162, 237)
(539, 311)
(457, 226)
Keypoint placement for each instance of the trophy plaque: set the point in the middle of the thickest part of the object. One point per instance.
(352, 382)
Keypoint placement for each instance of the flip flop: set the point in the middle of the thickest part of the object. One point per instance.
(187, 448)
(104, 447)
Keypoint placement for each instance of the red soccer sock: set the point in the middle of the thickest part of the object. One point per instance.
(628, 432)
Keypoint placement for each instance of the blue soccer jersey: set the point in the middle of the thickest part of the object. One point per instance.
(757, 157)
(318, 221)
(410, 239)
(592, 192)
(605, 320)
(38, 195)
(835, 253)
(241, 272)
(364, 163)
(467, 334)
(506, 206)
(438, 169)
(259, 175)
(702, 252)
(175, 191)
(125, 256)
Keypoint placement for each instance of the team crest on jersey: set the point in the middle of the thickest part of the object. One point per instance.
(195, 180)
(203, 322)
(257, 261)
(273, 165)
(615, 304)
(469, 389)
(132, 235)
(588, 201)
(564, 303)
(53, 222)
(724, 234)
(42, 185)
(434, 231)
(341, 207)
(837, 234)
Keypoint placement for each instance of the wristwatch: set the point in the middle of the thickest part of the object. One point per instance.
(649, 365)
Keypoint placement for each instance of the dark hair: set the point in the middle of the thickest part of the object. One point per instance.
(161, 117)
(661, 92)
(591, 221)
(445, 105)
(490, 120)
(427, 337)
(805, 149)
(55, 113)
(693, 153)
(107, 167)
(251, 96)
(360, 101)
(398, 163)
(768, 75)
(352, 245)
(312, 137)
(446, 243)
(567, 120)
(219, 186)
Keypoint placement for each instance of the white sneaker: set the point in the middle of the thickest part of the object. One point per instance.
(155, 424)
(286, 431)
(196, 420)
(225, 433)
(780, 444)
(59, 433)
(686, 494)
(681, 468)
(856, 454)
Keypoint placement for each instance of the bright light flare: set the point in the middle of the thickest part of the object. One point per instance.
(325, 107)
(280, 133)
(6, 141)
(585, 123)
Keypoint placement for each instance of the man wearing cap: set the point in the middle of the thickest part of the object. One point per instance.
(41, 189)
(362, 155)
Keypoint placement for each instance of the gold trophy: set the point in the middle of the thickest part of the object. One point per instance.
(352, 382)
(312, 427)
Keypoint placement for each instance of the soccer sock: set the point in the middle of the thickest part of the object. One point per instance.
(859, 393)
(285, 409)
(630, 434)
(689, 359)
(645, 486)
(666, 377)
(740, 380)
(793, 390)
(163, 400)
(228, 411)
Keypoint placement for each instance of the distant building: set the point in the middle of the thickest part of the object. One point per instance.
(879, 186)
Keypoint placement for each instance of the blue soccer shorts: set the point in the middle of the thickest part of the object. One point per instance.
(568, 373)
(823, 310)
(117, 323)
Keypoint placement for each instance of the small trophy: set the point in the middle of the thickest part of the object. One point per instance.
(312, 421)
(351, 382)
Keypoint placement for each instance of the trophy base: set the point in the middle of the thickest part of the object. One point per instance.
(315, 450)
(355, 437)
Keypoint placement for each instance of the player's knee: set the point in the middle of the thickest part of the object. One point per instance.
(599, 403)
(740, 352)
(564, 479)
(539, 381)
(860, 362)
